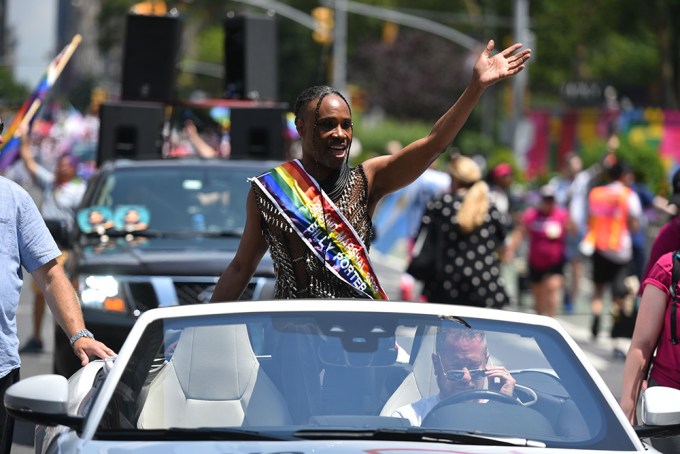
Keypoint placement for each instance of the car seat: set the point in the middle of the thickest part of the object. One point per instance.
(213, 379)
(420, 381)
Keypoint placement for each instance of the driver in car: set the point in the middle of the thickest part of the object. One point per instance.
(461, 363)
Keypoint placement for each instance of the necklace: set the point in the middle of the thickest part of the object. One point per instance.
(334, 184)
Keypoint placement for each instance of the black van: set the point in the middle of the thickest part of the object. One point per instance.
(155, 233)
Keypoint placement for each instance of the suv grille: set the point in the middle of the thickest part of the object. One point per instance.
(143, 295)
(249, 292)
(191, 292)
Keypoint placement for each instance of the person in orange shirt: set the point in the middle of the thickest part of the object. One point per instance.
(613, 214)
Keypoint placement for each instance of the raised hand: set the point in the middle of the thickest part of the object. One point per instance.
(490, 69)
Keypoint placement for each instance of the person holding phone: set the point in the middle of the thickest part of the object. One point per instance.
(461, 363)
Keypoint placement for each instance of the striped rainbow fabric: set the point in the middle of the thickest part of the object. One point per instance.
(321, 226)
(9, 149)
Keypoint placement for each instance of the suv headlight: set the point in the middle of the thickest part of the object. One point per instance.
(102, 292)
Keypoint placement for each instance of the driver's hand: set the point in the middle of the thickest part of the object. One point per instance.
(507, 381)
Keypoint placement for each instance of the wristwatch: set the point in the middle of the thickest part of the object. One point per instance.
(82, 333)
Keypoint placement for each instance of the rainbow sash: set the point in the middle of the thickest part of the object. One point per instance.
(320, 225)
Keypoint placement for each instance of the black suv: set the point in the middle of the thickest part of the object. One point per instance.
(190, 213)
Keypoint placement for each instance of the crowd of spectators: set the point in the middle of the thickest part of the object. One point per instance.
(563, 233)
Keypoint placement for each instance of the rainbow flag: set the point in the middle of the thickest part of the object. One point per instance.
(321, 226)
(9, 149)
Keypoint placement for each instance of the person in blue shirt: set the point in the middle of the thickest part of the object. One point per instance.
(397, 216)
(26, 243)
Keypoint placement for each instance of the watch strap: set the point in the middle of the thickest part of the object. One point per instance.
(82, 333)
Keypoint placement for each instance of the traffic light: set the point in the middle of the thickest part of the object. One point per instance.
(390, 32)
(97, 97)
(150, 8)
(323, 25)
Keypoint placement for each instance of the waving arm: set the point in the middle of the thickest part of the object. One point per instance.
(389, 173)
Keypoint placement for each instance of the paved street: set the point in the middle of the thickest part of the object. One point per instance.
(599, 353)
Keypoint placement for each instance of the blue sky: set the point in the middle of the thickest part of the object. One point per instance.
(34, 26)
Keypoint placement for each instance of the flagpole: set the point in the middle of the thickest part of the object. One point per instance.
(61, 64)
(9, 147)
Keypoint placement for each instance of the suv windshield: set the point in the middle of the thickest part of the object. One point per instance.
(180, 199)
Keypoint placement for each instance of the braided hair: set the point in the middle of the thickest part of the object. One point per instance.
(316, 92)
(334, 183)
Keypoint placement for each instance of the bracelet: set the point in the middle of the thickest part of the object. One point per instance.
(82, 333)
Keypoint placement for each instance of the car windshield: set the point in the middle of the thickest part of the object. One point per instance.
(180, 199)
(327, 373)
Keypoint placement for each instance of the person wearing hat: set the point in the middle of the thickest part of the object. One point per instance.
(467, 232)
(499, 190)
(546, 226)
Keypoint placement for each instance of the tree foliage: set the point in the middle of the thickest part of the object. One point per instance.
(13, 94)
(631, 46)
(408, 82)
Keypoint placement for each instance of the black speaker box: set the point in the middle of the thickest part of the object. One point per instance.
(130, 130)
(250, 58)
(258, 133)
(150, 60)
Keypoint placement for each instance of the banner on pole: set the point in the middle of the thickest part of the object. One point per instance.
(9, 150)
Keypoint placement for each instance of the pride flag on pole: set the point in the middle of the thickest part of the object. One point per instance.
(9, 150)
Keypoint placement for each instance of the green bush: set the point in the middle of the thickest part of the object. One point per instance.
(375, 134)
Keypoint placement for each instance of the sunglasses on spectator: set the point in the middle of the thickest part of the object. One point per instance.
(458, 375)
(2, 126)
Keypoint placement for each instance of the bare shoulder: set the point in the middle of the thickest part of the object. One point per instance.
(373, 166)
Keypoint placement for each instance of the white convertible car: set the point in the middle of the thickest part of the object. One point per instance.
(313, 376)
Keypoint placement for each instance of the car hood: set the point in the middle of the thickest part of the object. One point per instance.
(162, 256)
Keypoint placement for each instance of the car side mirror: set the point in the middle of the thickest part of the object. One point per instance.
(660, 412)
(41, 399)
(661, 406)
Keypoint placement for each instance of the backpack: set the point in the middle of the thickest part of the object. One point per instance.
(674, 296)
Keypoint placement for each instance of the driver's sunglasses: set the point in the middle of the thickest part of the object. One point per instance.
(2, 126)
(458, 375)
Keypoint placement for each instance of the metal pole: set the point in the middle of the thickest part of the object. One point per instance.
(521, 29)
(340, 47)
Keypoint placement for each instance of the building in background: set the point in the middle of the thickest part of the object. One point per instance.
(29, 37)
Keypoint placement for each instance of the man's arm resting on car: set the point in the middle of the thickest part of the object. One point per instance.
(63, 302)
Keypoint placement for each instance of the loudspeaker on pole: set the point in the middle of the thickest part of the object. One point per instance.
(151, 52)
(130, 130)
(250, 58)
(258, 133)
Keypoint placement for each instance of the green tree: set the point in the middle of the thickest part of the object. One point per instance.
(13, 93)
(603, 41)
(407, 83)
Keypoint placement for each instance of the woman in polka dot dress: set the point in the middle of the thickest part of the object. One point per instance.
(469, 232)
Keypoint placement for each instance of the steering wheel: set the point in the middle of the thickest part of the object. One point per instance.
(476, 394)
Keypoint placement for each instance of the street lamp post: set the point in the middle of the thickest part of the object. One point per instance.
(520, 81)
(340, 47)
